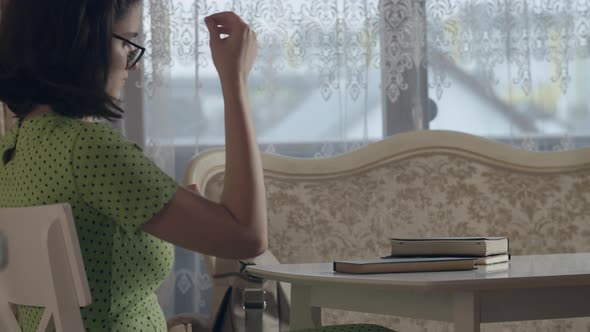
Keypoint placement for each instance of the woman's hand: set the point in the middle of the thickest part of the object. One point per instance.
(234, 55)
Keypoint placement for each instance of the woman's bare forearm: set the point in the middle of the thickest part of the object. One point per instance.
(244, 194)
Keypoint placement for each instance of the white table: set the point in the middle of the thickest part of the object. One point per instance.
(527, 288)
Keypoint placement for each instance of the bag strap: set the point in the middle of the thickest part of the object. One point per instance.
(221, 311)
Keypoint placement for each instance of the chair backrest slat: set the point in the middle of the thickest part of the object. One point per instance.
(44, 266)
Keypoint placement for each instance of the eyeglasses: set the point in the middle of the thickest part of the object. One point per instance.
(136, 53)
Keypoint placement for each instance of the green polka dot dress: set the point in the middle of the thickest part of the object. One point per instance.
(113, 189)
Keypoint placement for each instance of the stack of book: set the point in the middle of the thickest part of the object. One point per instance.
(485, 250)
(432, 254)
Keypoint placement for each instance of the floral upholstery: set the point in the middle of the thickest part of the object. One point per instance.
(431, 194)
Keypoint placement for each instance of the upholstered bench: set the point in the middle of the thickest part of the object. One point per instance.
(429, 183)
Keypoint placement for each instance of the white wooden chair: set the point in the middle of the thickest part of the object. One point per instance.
(41, 265)
(427, 183)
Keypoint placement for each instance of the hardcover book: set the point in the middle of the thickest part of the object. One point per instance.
(395, 265)
(450, 246)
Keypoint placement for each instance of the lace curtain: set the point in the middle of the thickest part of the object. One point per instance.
(335, 75)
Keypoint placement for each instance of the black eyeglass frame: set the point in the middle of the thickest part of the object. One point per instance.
(140, 48)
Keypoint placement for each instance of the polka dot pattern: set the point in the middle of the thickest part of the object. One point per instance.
(113, 189)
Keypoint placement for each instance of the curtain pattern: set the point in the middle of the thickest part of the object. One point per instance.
(530, 56)
(330, 72)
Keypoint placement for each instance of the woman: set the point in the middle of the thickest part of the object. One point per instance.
(62, 61)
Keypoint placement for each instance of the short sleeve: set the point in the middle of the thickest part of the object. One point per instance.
(114, 177)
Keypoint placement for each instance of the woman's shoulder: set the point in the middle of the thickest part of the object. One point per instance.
(98, 140)
(93, 132)
(92, 141)
(98, 129)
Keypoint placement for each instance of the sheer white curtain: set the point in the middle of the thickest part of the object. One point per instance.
(334, 75)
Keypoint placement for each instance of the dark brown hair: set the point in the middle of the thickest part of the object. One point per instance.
(58, 53)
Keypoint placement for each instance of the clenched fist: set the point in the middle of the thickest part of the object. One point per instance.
(233, 56)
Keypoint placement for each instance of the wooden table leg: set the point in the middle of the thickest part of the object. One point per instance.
(303, 315)
(467, 312)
